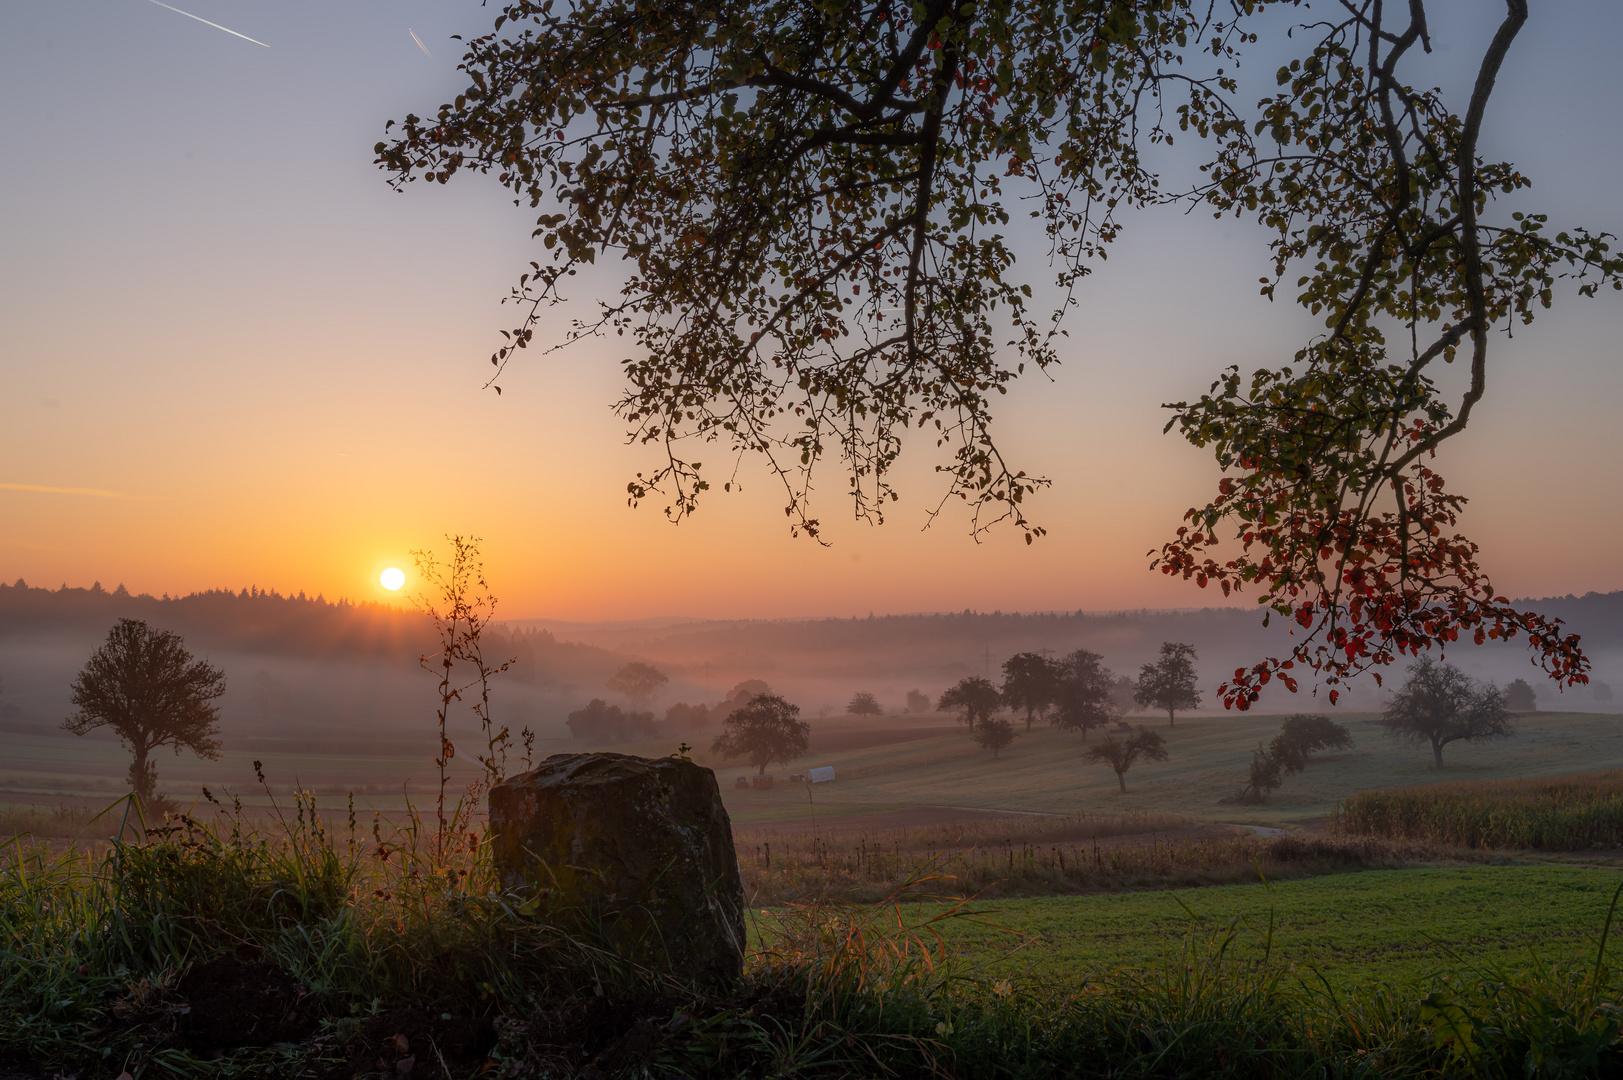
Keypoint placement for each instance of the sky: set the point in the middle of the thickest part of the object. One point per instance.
(230, 355)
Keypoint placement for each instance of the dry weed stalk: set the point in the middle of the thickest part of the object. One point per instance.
(462, 609)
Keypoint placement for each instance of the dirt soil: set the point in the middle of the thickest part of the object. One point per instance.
(408, 1043)
(234, 1002)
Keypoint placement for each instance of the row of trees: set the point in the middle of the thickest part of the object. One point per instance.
(1076, 692)
(1077, 689)
(604, 722)
(153, 693)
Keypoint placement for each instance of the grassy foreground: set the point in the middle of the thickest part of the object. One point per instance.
(333, 950)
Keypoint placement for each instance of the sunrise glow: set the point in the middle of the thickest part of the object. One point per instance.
(392, 578)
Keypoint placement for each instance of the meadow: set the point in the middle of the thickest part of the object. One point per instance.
(1208, 756)
(220, 949)
(883, 766)
(1401, 928)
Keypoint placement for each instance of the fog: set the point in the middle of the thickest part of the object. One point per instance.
(310, 672)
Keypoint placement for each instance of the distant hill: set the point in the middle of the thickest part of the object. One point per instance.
(251, 620)
(294, 664)
(311, 667)
(827, 659)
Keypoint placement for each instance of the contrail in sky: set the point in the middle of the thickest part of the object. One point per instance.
(205, 22)
(97, 492)
(417, 39)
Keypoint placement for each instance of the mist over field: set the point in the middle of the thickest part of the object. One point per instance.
(310, 668)
(332, 695)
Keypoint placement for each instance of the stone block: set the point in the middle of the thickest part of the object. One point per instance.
(638, 850)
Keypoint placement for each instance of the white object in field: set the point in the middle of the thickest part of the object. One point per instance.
(820, 775)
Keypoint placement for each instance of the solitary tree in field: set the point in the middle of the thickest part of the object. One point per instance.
(1084, 695)
(1440, 704)
(1029, 683)
(1270, 765)
(144, 685)
(637, 681)
(767, 729)
(994, 735)
(1143, 744)
(1169, 683)
(976, 698)
(1520, 697)
(1310, 733)
(863, 703)
(1300, 737)
(918, 701)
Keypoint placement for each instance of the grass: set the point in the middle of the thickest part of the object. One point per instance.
(1358, 931)
(371, 936)
(97, 942)
(1042, 772)
(391, 945)
(1562, 813)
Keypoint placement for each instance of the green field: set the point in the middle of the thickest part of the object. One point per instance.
(1398, 927)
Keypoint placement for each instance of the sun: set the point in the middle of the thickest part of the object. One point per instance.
(392, 578)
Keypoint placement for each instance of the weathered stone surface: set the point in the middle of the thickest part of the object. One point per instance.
(638, 848)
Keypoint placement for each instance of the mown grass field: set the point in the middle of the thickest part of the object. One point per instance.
(1395, 927)
(881, 765)
(1208, 756)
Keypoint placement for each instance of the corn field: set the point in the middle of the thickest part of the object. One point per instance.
(1566, 813)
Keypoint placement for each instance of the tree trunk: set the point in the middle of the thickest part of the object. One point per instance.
(1121, 778)
(140, 782)
(1172, 718)
(762, 770)
(1437, 752)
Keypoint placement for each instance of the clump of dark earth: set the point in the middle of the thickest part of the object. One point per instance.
(420, 1043)
(599, 1038)
(232, 1002)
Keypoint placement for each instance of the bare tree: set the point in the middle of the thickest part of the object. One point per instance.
(144, 685)
(1440, 704)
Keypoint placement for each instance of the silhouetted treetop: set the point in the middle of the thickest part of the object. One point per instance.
(145, 686)
(809, 203)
